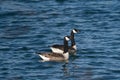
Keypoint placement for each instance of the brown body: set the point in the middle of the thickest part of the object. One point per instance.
(53, 56)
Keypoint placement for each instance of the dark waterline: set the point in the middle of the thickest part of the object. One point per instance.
(29, 26)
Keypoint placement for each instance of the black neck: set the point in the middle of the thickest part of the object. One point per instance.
(72, 39)
(65, 46)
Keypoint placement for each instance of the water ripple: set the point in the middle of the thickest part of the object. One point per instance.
(30, 26)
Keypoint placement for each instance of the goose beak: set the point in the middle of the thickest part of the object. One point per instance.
(69, 37)
(77, 30)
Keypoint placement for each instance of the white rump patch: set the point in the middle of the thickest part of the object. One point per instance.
(56, 50)
(74, 31)
(44, 58)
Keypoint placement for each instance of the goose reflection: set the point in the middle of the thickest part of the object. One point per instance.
(77, 72)
(65, 70)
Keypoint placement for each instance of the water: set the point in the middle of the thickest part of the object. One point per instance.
(29, 26)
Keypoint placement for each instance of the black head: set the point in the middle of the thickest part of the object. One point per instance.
(75, 30)
(67, 38)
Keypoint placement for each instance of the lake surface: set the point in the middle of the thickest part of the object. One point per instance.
(30, 26)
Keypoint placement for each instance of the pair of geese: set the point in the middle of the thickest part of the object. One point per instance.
(61, 52)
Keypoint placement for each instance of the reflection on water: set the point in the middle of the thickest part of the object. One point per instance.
(76, 72)
(65, 70)
(88, 74)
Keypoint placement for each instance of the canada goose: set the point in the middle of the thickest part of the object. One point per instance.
(71, 49)
(51, 56)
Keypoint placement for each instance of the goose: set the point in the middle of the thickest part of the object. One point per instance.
(51, 56)
(71, 49)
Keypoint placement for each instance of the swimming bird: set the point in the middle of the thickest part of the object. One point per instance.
(71, 49)
(51, 56)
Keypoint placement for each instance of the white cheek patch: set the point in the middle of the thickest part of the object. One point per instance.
(74, 31)
(67, 38)
(75, 47)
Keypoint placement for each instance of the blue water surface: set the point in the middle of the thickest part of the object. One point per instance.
(30, 26)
